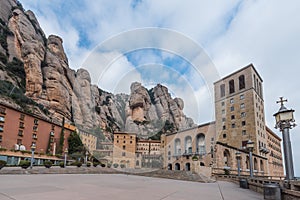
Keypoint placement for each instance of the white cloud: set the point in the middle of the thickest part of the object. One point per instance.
(265, 34)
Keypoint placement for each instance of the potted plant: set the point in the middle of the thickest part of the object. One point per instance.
(88, 164)
(115, 165)
(194, 158)
(48, 164)
(2, 163)
(95, 163)
(24, 164)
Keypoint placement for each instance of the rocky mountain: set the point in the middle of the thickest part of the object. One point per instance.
(35, 76)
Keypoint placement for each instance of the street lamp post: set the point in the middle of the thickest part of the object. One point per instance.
(86, 157)
(250, 147)
(32, 155)
(285, 121)
(65, 161)
(238, 157)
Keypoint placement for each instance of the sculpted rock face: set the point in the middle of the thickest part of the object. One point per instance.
(70, 94)
(27, 44)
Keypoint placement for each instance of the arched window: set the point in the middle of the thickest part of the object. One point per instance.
(231, 87)
(241, 82)
(226, 155)
(169, 166)
(255, 164)
(262, 165)
(137, 163)
(222, 90)
(247, 162)
(202, 164)
(200, 144)
(188, 145)
(187, 167)
(177, 166)
(177, 147)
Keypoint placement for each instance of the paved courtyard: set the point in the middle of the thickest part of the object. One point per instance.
(115, 187)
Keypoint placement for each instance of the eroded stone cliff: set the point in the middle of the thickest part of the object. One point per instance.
(64, 92)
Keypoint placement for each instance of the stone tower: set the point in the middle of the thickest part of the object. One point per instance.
(239, 110)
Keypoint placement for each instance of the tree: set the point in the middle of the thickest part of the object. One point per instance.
(75, 144)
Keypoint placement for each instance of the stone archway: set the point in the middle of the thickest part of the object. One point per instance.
(187, 166)
(177, 166)
(169, 166)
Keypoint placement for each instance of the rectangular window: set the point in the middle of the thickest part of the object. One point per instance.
(223, 119)
(224, 127)
(123, 153)
(242, 97)
(244, 132)
(244, 143)
(124, 147)
(232, 117)
(34, 136)
(243, 114)
(52, 127)
(2, 119)
(223, 103)
(20, 133)
(22, 117)
(0, 138)
(21, 125)
(34, 128)
(223, 111)
(232, 108)
(242, 106)
(1, 128)
(36, 121)
(243, 123)
(222, 90)
(233, 125)
(2, 110)
(19, 141)
(231, 100)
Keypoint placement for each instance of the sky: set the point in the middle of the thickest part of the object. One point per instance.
(185, 45)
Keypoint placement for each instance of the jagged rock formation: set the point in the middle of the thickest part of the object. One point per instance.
(44, 75)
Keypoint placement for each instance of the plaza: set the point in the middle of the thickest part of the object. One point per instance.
(115, 186)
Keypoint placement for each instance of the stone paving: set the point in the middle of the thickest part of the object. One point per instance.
(114, 186)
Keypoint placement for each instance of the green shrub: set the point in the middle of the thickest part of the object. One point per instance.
(226, 171)
(122, 165)
(115, 165)
(102, 165)
(108, 165)
(95, 164)
(77, 163)
(62, 164)
(2, 163)
(24, 164)
(88, 164)
(48, 164)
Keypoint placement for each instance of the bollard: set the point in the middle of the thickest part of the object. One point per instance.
(272, 191)
(244, 183)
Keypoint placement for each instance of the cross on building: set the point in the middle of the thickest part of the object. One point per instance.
(281, 101)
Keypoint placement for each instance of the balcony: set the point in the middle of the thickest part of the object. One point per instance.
(263, 150)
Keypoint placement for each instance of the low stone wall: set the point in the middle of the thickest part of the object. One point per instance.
(289, 190)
